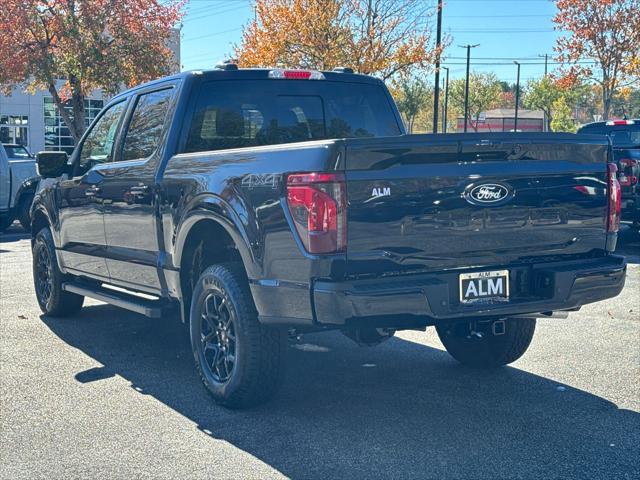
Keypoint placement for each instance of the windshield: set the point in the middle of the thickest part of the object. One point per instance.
(17, 151)
(252, 113)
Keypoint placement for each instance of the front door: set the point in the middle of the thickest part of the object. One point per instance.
(129, 192)
(79, 198)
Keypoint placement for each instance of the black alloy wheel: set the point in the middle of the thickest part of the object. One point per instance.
(44, 275)
(239, 360)
(217, 337)
(48, 280)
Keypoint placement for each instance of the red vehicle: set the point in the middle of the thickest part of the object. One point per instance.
(625, 137)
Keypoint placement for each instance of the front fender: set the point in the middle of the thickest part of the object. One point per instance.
(29, 185)
(44, 203)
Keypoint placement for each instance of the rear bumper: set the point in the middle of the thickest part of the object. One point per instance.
(429, 298)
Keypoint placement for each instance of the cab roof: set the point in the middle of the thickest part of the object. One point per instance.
(254, 74)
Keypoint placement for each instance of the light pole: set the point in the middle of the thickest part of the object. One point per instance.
(546, 62)
(515, 123)
(466, 85)
(436, 91)
(446, 101)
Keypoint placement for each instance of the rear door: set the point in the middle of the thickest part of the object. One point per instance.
(438, 202)
(129, 192)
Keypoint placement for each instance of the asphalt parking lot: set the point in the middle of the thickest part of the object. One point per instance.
(111, 394)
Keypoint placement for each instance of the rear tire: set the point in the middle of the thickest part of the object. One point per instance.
(240, 361)
(491, 350)
(48, 279)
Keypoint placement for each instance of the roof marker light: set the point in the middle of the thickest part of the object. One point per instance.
(621, 122)
(280, 73)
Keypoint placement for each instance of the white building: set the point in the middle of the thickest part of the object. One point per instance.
(34, 121)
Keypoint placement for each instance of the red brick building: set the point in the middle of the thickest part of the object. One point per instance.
(503, 119)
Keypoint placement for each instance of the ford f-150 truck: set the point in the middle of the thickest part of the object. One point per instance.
(259, 203)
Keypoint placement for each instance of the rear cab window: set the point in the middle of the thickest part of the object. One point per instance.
(620, 135)
(250, 113)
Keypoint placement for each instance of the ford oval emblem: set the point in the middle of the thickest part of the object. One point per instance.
(488, 194)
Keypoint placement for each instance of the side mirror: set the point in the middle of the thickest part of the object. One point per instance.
(52, 164)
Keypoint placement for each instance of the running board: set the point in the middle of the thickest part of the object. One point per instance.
(148, 308)
(559, 314)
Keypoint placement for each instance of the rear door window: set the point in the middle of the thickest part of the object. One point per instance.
(252, 113)
(146, 125)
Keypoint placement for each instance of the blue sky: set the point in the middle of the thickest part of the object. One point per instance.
(505, 29)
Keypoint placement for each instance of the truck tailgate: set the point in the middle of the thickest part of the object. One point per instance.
(434, 202)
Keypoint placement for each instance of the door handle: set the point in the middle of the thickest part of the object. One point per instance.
(92, 191)
(139, 190)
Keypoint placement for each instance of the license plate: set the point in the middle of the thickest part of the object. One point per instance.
(484, 286)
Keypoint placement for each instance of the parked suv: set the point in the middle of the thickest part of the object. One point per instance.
(264, 201)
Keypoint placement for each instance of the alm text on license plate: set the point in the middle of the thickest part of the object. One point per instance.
(486, 286)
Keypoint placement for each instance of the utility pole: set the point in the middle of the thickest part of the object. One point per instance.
(446, 101)
(515, 123)
(546, 62)
(436, 91)
(466, 85)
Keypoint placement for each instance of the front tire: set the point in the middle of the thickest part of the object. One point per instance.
(479, 347)
(48, 279)
(5, 222)
(239, 360)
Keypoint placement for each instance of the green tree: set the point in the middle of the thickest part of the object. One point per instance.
(412, 95)
(606, 32)
(376, 37)
(485, 92)
(563, 119)
(541, 94)
(89, 43)
(626, 102)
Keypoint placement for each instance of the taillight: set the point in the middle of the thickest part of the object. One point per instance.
(318, 206)
(626, 176)
(613, 218)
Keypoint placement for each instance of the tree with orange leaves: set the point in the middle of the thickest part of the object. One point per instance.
(88, 43)
(606, 32)
(381, 37)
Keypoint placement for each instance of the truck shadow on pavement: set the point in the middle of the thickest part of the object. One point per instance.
(401, 409)
(629, 244)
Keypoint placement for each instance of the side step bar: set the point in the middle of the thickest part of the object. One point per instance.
(559, 314)
(149, 308)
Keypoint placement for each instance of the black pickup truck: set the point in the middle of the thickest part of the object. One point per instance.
(625, 138)
(260, 203)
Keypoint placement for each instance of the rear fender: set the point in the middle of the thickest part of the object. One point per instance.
(216, 209)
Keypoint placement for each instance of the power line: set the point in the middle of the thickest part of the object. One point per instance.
(519, 15)
(214, 34)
